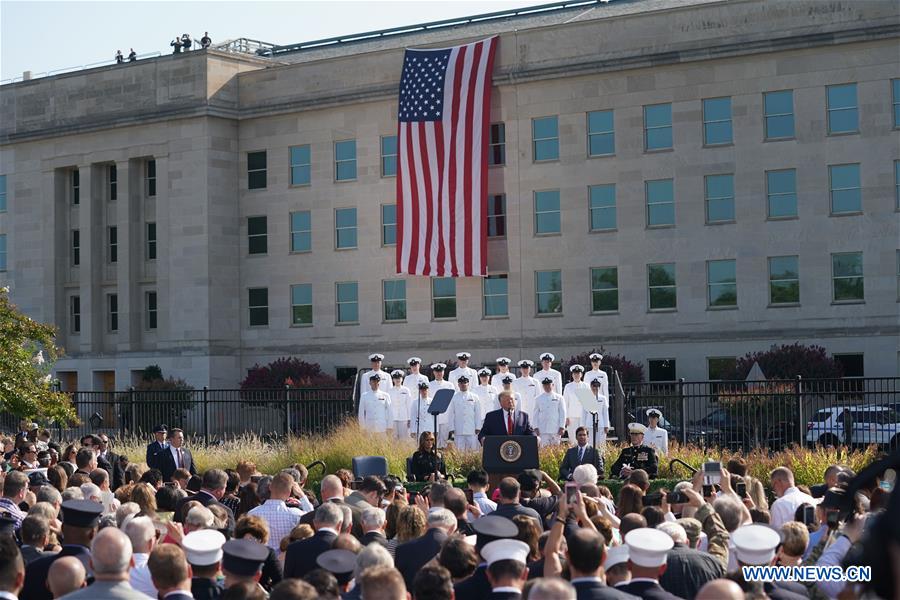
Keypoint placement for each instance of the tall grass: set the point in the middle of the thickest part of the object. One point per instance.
(338, 448)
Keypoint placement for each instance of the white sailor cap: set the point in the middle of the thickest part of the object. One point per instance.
(506, 550)
(596, 356)
(615, 555)
(204, 547)
(503, 361)
(438, 367)
(463, 355)
(654, 412)
(507, 379)
(648, 547)
(423, 385)
(755, 544)
(636, 428)
(526, 363)
(374, 375)
(397, 373)
(413, 360)
(484, 371)
(547, 380)
(548, 356)
(578, 368)
(462, 378)
(376, 356)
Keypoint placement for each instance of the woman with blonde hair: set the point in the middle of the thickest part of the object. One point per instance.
(411, 524)
(144, 496)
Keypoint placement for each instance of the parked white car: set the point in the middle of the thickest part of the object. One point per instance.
(856, 425)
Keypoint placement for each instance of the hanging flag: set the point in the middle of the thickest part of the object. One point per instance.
(443, 137)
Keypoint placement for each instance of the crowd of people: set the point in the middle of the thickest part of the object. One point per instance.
(89, 524)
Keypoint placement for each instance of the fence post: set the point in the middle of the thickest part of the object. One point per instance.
(206, 414)
(798, 395)
(683, 411)
(287, 411)
(131, 421)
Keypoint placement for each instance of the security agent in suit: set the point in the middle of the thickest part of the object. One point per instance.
(300, 557)
(497, 422)
(586, 551)
(580, 454)
(212, 488)
(175, 456)
(154, 447)
(411, 556)
(636, 456)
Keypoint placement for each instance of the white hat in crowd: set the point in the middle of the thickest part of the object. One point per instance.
(376, 356)
(204, 547)
(636, 428)
(648, 547)
(548, 356)
(616, 555)
(506, 550)
(755, 544)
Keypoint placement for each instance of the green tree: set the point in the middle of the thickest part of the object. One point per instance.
(25, 387)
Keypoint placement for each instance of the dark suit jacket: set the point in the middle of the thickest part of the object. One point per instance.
(504, 595)
(648, 590)
(687, 570)
(205, 589)
(111, 465)
(570, 461)
(152, 449)
(495, 424)
(594, 590)
(307, 518)
(475, 586)
(374, 536)
(31, 554)
(301, 555)
(180, 596)
(411, 556)
(36, 572)
(165, 462)
(205, 499)
(511, 510)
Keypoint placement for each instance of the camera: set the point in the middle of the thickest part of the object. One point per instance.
(832, 519)
(677, 498)
(654, 499)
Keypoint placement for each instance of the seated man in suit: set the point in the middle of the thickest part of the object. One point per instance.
(212, 488)
(507, 420)
(300, 557)
(580, 454)
(411, 556)
(174, 456)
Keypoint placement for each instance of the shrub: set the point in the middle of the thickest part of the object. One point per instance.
(629, 372)
(788, 361)
(145, 406)
(287, 372)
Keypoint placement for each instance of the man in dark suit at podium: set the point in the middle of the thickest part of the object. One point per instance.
(581, 454)
(507, 420)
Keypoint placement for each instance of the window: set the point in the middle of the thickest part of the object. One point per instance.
(496, 215)
(3, 252)
(779, 114)
(717, 121)
(112, 312)
(847, 277)
(345, 160)
(301, 231)
(548, 292)
(257, 236)
(389, 156)
(846, 195)
(719, 368)
(151, 241)
(661, 369)
(497, 150)
(301, 304)
(898, 270)
(300, 165)
(895, 100)
(661, 286)
(852, 365)
(604, 289)
(601, 133)
(658, 127)
(394, 299)
(258, 301)
(76, 247)
(76, 187)
(150, 178)
(389, 224)
(75, 314)
(784, 280)
(256, 170)
(347, 296)
(345, 228)
(843, 113)
(2, 193)
(546, 212)
(660, 202)
(897, 184)
(781, 193)
(112, 244)
(150, 303)
(721, 283)
(443, 298)
(545, 138)
(112, 179)
(495, 289)
(719, 198)
(602, 206)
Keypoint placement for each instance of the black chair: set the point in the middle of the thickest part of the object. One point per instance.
(363, 466)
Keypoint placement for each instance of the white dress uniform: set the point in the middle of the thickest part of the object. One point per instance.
(375, 413)
(574, 408)
(497, 379)
(456, 373)
(549, 417)
(488, 396)
(465, 419)
(411, 381)
(553, 374)
(419, 418)
(658, 438)
(400, 400)
(443, 419)
(602, 376)
(384, 384)
(528, 389)
(602, 420)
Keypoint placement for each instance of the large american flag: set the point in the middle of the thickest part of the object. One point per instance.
(444, 129)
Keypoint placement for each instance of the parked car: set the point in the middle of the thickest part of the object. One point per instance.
(726, 429)
(854, 425)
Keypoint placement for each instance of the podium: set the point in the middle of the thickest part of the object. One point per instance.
(508, 455)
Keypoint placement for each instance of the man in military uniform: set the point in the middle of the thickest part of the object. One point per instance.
(401, 397)
(412, 381)
(462, 368)
(502, 371)
(636, 456)
(597, 373)
(375, 412)
(465, 417)
(384, 380)
(527, 386)
(547, 370)
(203, 550)
(656, 437)
(434, 386)
(420, 420)
(486, 391)
(549, 414)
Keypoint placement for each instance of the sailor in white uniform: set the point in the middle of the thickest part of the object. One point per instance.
(527, 386)
(655, 436)
(587, 419)
(466, 416)
(385, 379)
(547, 370)
(400, 401)
(506, 385)
(597, 373)
(549, 414)
(375, 412)
(414, 378)
(502, 371)
(573, 404)
(419, 418)
(462, 368)
(486, 391)
(439, 383)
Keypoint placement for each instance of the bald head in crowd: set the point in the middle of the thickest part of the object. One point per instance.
(331, 487)
(65, 576)
(720, 589)
(111, 555)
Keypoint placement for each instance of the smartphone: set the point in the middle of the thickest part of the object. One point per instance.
(712, 472)
(707, 491)
(571, 492)
(677, 498)
(809, 515)
(171, 484)
(741, 489)
(470, 496)
(412, 497)
(654, 499)
(833, 519)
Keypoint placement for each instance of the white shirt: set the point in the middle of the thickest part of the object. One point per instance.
(465, 413)
(783, 509)
(553, 374)
(455, 374)
(528, 389)
(497, 379)
(419, 419)
(602, 413)
(488, 396)
(139, 575)
(375, 412)
(485, 504)
(400, 399)
(433, 387)
(280, 517)
(573, 404)
(602, 376)
(175, 457)
(549, 413)
(412, 381)
(657, 437)
(384, 384)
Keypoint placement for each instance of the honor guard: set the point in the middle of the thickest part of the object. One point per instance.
(438, 383)
(203, 551)
(375, 413)
(647, 552)
(466, 416)
(242, 561)
(462, 368)
(597, 373)
(549, 414)
(502, 371)
(527, 386)
(602, 414)
(486, 391)
(383, 377)
(635, 456)
(419, 418)
(400, 400)
(656, 437)
(414, 378)
(573, 404)
(547, 370)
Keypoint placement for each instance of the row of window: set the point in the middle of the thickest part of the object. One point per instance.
(112, 183)
(112, 244)
(151, 312)
(842, 117)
